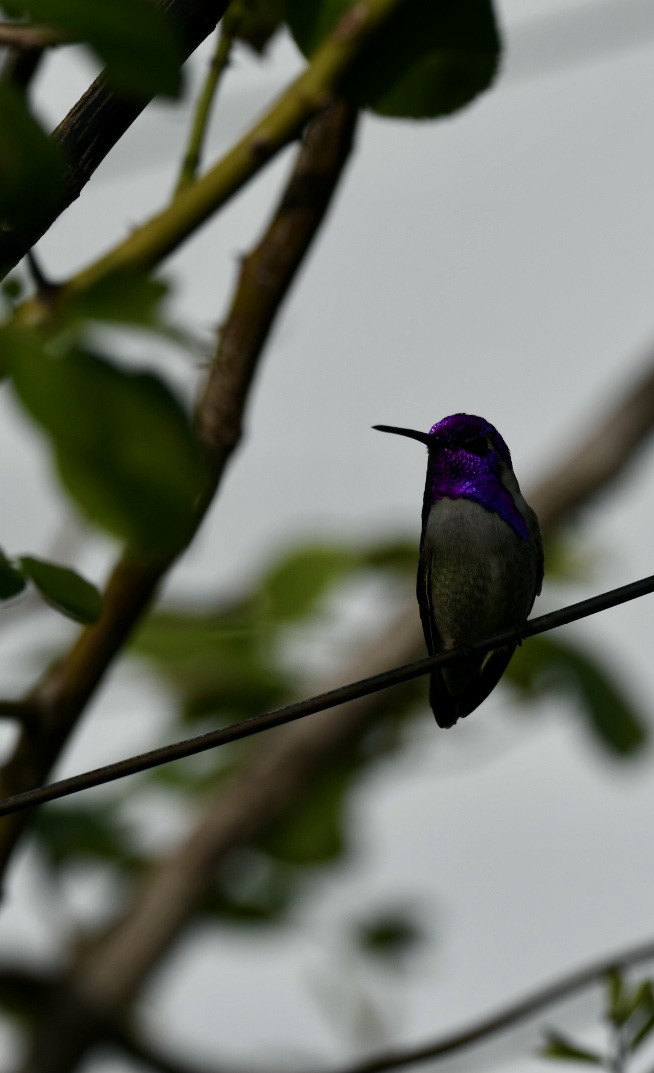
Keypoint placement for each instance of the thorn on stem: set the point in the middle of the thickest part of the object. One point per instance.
(46, 289)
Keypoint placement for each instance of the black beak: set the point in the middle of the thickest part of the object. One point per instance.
(422, 437)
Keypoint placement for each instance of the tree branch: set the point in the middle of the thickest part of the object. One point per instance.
(265, 278)
(307, 96)
(22, 36)
(98, 121)
(508, 1016)
(600, 458)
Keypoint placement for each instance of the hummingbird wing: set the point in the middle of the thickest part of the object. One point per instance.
(479, 674)
(440, 698)
(433, 639)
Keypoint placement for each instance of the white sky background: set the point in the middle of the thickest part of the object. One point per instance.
(500, 262)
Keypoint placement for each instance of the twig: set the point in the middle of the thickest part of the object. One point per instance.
(308, 95)
(213, 739)
(97, 122)
(452, 1042)
(28, 37)
(217, 67)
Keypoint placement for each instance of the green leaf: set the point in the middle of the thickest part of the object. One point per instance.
(12, 288)
(393, 556)
(293, 587)
(133, 37)
(31, 165)
(313, 834)
(428, 60)
(65, 590)
(389, 936)
(254, 22)
(72, 833)
(11, 580)
(642, 1033)
(123, 445)
(251, 888)
(220, 662)
(542, 664)
(121, 298)
(616, 997)
(561, 1048)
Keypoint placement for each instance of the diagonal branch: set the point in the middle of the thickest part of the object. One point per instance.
(510, 1015)
(266, 276)
(307, 96)
(613, 442)
(98, 121)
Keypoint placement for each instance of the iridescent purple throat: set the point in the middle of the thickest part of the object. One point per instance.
(454, 473)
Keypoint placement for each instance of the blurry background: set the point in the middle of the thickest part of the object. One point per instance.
(497, 262)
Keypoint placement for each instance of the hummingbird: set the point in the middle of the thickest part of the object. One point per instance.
(481, 557)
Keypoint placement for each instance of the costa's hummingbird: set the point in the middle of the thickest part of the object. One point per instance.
(481, 557)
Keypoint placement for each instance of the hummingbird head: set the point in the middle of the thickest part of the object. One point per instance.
(472, 436)
(468, 459)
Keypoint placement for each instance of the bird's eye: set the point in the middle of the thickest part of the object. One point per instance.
(479, 445)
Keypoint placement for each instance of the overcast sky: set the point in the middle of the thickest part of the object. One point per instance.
(499, 262)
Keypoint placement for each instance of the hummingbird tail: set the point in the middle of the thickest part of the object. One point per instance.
(450, 703)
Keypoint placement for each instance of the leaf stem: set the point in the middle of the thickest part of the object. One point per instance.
(307, 95)
(217, 67)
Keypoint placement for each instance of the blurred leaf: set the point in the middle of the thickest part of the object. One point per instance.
(642, 1033)
(396, 556)
(31, 166)
(566, 1050)
(389, 937)
(631, 1010)
(292, 588)
(428, 60)
(542, 664)
(12, 288)
(123, 445)
(11, 580)
(134, 38)
(254, 21)
(568, 559)
(64, 589)
(219, 662)
(615, 998)
(314, 832)
(251, 889)
(71, 833)
(122, 298)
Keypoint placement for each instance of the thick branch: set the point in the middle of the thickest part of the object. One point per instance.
(98, 121)
(599, 459)
(264, 280)
(61, 696)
